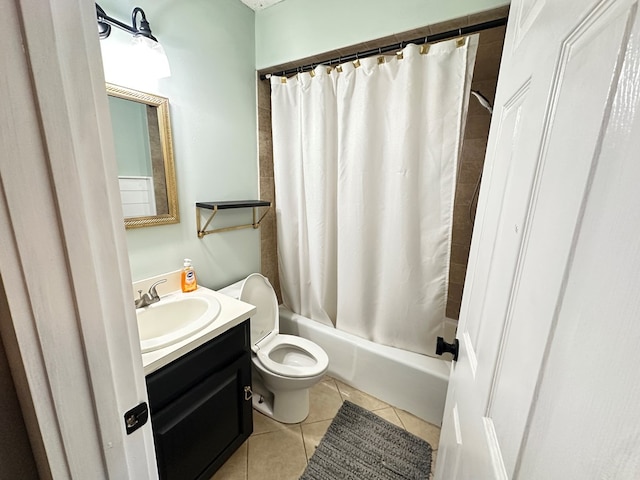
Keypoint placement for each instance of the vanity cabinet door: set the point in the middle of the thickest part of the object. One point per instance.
(200, 430)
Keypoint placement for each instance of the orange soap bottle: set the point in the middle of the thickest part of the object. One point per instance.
(188, 278)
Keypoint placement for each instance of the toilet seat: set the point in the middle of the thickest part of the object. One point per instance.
(302, 357)
(305, 358)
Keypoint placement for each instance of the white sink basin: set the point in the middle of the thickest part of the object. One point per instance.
(174, 318)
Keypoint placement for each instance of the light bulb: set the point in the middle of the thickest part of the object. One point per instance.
(150, 57)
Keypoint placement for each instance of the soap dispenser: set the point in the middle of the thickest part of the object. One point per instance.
(188, 278)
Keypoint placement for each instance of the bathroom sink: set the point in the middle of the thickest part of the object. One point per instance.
(174, 318)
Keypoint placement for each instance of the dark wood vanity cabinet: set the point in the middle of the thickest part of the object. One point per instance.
(201, 406)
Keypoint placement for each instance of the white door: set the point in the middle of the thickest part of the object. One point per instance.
(67, 320)
(546, 384)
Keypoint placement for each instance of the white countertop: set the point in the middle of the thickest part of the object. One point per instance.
(232, 312)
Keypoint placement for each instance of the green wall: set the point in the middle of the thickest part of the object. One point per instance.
(212, 98)
(214, 48)
(296, 29)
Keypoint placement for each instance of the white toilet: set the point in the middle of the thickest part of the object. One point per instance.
(285, 366)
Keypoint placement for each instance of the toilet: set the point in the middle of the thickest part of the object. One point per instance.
(285, 367)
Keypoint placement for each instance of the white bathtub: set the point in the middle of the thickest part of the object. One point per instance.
(410, 381)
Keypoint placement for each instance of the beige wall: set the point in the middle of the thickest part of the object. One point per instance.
(475, 141)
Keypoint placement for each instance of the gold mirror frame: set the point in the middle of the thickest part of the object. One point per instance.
(162, 106)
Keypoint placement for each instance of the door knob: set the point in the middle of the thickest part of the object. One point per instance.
(444, 347)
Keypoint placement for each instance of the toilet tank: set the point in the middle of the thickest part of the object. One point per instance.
(233, 290)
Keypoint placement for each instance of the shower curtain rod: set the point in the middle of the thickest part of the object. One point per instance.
(436, 37)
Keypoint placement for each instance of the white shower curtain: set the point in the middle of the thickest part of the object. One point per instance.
(365, 164)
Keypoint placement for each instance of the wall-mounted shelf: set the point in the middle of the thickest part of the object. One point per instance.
(216, 206)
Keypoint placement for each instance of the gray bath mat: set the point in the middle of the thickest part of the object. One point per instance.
(359, 445)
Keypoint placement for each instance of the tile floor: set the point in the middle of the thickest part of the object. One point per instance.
(280, 452)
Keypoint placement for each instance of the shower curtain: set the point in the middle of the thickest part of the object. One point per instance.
(364, 167)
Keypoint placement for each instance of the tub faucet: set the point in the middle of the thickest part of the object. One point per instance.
(150, 297)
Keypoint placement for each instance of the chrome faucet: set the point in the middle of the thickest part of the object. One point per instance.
(150, 297)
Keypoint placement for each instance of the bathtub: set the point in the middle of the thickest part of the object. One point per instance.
(410, 381)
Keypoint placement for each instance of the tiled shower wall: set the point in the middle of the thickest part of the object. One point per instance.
(268, 246)
(485, 78)
(471, 161)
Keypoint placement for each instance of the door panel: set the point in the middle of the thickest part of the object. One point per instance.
(564, 63)
(571, 148)
(450, 445)
(588, 394)
(527, 12)
(508, 127)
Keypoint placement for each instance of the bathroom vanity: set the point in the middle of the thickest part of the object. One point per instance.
(201, 406)
(199, 391)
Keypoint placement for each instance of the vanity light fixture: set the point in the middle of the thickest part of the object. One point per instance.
(105, 22)
(148, 48)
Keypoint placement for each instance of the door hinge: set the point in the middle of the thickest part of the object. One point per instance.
(248, 393)
(136, 417)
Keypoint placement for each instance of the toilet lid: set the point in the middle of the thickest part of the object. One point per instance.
(257, 291)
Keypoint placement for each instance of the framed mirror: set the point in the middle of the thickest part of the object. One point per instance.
(144, 151)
